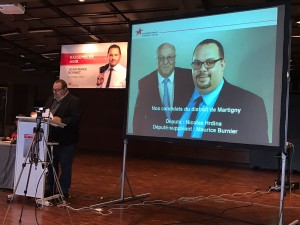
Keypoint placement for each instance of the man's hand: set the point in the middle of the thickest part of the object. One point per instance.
(57, 119)
(33, 114)
(100, 79)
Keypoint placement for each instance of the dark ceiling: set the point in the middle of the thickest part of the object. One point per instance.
(33, 40)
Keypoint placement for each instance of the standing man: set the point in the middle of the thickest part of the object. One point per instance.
(65, 108)
(113, 74)
(162, 94)
(218, 110)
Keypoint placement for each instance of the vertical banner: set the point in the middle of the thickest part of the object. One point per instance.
(80, 64)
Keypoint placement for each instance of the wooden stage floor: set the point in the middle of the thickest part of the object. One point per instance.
(180, 193)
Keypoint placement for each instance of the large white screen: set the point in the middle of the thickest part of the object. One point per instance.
(253, 42)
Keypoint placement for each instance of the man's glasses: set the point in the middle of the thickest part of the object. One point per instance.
(210, 63)
(56, 90)
(169, 58)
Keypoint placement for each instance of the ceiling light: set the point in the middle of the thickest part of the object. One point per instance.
(9, 34)
(40, 45)
(42, 30)
(15, 8)
(50, 55)
(94, 37)
(81, 0)
(29, 69)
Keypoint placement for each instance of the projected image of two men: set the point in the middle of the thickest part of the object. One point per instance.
(216, 86)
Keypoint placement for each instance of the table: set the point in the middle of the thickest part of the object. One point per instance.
(7, 164)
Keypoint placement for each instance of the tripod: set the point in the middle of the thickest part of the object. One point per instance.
(32, 158)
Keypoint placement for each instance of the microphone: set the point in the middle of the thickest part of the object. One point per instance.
(102, 69)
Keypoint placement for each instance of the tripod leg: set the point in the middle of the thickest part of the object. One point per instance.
(10, 198)
(55, 177)
(120, 178)
(25, 191)
(128, 184)
(56, 181)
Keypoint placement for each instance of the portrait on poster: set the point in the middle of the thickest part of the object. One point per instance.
(101, 65)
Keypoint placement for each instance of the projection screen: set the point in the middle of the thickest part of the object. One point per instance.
(235, 62)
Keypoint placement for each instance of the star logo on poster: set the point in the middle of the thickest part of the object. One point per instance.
(139, 31)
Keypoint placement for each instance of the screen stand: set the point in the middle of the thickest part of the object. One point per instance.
(123, 178)
(283, 159)
(289, 185)
(282, 190)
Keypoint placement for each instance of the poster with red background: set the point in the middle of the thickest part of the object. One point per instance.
(79, 64)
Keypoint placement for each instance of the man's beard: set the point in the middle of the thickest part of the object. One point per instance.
(203, 85)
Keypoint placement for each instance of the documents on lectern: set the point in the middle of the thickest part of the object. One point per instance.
(48, 120)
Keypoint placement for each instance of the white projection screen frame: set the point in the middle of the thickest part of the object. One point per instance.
(256, 44)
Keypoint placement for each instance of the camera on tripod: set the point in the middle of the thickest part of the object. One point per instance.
(39, 111)
(38, 131)
(39, 114)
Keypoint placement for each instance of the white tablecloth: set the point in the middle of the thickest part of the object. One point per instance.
(7, 164)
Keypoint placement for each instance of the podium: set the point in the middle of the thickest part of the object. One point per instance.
(36, 177)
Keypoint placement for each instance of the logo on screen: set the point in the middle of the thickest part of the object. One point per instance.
(139, 32)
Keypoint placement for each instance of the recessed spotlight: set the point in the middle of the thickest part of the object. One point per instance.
(81, 0)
